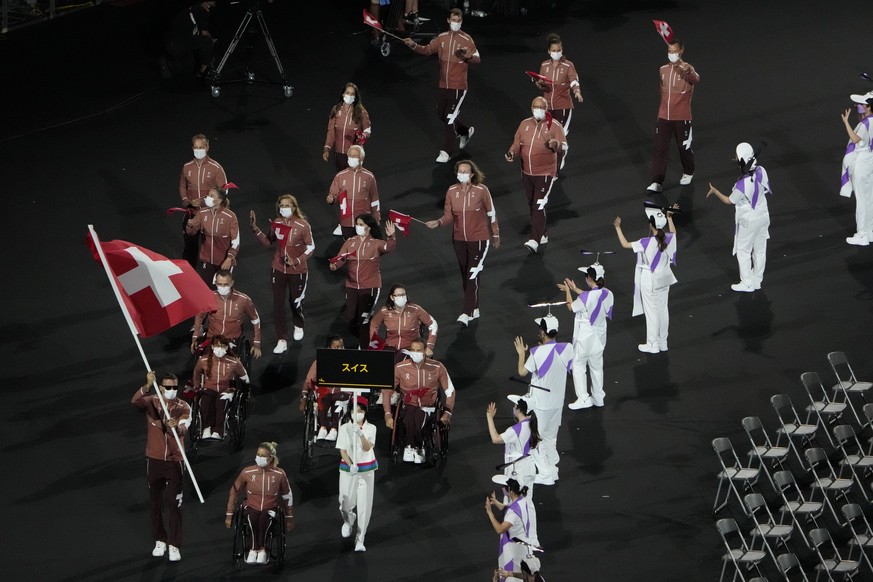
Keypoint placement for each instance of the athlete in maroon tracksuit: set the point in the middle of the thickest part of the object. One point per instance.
(537, 142)
(227, 320)
(564, 80)
(355, 192)
(362, 254)
(455, 51)
(214, 375)
(470, 210)
(219, 229)
(198, 176)
(294, 245)
(348, 124)
(164, 460)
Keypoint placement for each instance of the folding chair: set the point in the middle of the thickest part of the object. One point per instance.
(798, 505)
(848, 441)
(791, 425)
(786, 563)
(731, 471)
(826, 479)
(769, 455)
(846, 379)
(827, 411)
(835, 564)
(766, 529)
(862, 533)
(868, 420)
(741, 555)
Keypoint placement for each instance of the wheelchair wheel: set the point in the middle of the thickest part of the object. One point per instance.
(236, 420)
(244, 353)
(276, 542)
(240, 536)
(195, 431)
(397, 435)
(309, 426)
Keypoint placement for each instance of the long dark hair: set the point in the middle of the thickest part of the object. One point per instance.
(659, 235)
(368, 219)
(389, 303)
(516, 487)
(357, 106)
(533, 425)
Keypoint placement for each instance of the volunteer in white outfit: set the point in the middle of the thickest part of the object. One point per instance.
(516, 524)
(857, 174)
(653, 277)
(591, 308)
(519, 441)
(356, 473)
(749, 197)
(548, 363)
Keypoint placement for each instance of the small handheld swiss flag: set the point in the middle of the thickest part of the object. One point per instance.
(342, 257)
(664, 30)
(370, 21)
(376, 343)
(344, 206)
(538, 77)
(281, 230)
(400, 220)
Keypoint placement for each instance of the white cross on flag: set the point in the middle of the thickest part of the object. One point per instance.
(157, 292)
(345, 207)
(664, 30)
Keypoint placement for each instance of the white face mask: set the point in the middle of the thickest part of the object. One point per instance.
(400, 301)
(463, 178)
(209, 201)
(673, 57)
(359, 416)
(360, 230)
(353, 162)
(417, 357)
(219, 352)
(455, 26)
(556, 55)
(348, 99)
(286, 212)
(261, 461)
(539, 114)
(199, 153)
(223, 290)
(170, 394)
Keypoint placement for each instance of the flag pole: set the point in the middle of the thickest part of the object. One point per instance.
(135, 334)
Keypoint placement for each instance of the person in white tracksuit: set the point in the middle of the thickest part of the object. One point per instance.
(653, 277)
(857, 170)
(591, 308)
(548, 364)
(356, 473)
(749, 197)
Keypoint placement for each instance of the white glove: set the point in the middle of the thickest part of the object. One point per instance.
(541, 203)
(226, 396)
(357, 430)
(272, 513)
(353, 468)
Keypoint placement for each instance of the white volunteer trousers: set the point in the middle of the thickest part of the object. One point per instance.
(546, 452)
(655, 310)
(862, 184)
(356, 493)
(752, 251)
(583, 364)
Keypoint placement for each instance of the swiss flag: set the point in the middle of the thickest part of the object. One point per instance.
(401, 220)
(370, 21)
(664, 30)
(538, 77)
(344, 206)
(157, 292)
(376, 343)
(281, 230)
(339, 258)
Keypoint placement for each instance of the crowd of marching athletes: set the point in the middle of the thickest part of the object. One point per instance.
(211, 237)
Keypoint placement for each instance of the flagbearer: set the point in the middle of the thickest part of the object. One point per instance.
(198, 176)
(355, 192)
(470, 210)
(290, 272)
(164, 460)
(227, 320)
(403, 323)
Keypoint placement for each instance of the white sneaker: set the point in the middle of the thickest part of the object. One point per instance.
(207, 434)
(408, 455)
(649, 349)
(331, 436)
(262, 556)
(662, 347)
(465, 139)
(417, 457)
(216, 436)
(532, 245)
(359, 546)
(742, 287)
(338, 231)
(581, 403)
(685, 179)
(858, 240)
(346, 530)
(464, 319)
(544, 240)
(281, 347)
(252, 557)
(655, 187)
(160, 549)
(298, 333)
(598, 402)
(322, 434)
(175, 554)
(475, 314)
(379, 399)
(443, 157)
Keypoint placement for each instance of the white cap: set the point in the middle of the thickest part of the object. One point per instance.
(745, 152)
(549, 323)
(500, 479)
(658, 215)
(599, 271)
(865, 98)
(515, 398)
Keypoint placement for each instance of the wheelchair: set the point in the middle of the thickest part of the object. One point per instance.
(310, 426)
(435, 435)
(243, 537)
(235, 419)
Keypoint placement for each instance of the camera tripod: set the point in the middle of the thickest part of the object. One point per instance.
(247, 25)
